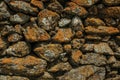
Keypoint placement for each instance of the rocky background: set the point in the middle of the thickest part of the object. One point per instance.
(59, 40)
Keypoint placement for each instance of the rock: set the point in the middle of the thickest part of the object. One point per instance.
(93, 37)
(103, 48)
(60, 67)
(76, 55)
(94, 22)
(89, 72)
(4, 77)
(49, 52)
(4, 13)
(85, 3)
(67, 47)
(114, 78)
(19, 18)
(64, 22)
(18, 29)
(38, 4)
(77, 43)
(111, 2)
(45, 76)
(111, 12)
(29, 66)
(74, 9)
(15, 37)
(116, 64)
(38, 34)
(79, 34)
(22, 6)
(63, 35)
(88, 47)
(18, 49)
(77, 24)
(101, 30)
(110, 21)
(112, 60)
(55, 6)
(3, 45)
(47, 19)
(4, 22)
(93, 58)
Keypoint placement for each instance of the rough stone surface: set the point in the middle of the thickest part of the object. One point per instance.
(2, 77)
(111, 2)
(19, 18)
(18, 49)
(49, 52)
(38, 4)
(63, 35)
(47, 18)
(64, 22)
(27, 66)
(85, 72)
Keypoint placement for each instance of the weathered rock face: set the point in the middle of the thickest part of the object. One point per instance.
(59, 39)
(27, 66)
(38, 34)
(2, 77)
(49, 52)
(18, 49)
(47, 19)
(63, 35)
(84, 72)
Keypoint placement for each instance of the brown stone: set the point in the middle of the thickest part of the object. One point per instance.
(27, 66)
(79, 34)
(67, 47)
(94, 22)
(101, 30)
(76, 55)
(93, 58)
(88, 72)
(74, 9)
(47, 19)
(88, 47)
(85, 3)
(93, 37)
(37, 3)
(22, 6)
(3, 45)
(60, 67)
(111, 12)
(63, 35)
(112, 2)
(103, 48)
(18, 49)
(14, 37)
(49, 52)
(4, 77)
(116, 64)
(38, 34)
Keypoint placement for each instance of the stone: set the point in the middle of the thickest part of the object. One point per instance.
(15, 37)
(111, 12)
(55, 6)
(93, 37)
(116, 65)
(110, 22)
(60, 67)
(67, 47)
(29, 66)
(117, 77)
(38, 4)
(101, 30)
(18, 49)
(85, 3)
(77, 24)
(111, 2)
(3, 45)
(79, 34)
(93, 58)
(49, 52)
(76, 55)
(64, 22)
(88, 47)
(77, 43)
(94, 22)
(38, 34)
(22, 6)
(4, 77)
(4, 13)
(89, 72)
(47, 19)
(103, 48)
(19, 18)
(74, 9)
(63, 35)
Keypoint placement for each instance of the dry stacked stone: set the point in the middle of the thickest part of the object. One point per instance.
(59, 39)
